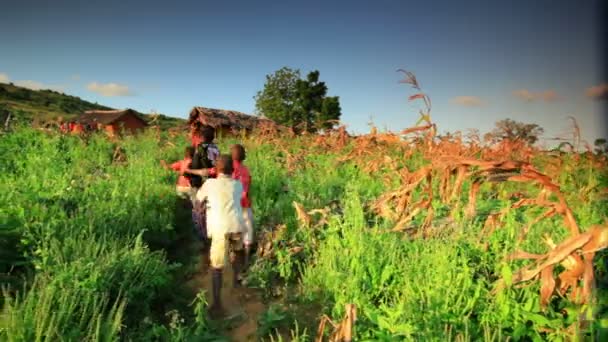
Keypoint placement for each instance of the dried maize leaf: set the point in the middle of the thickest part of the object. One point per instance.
(547, 285)
(524, 255)
(303, 217)
(599, 239)
(555, 256)
(588, 283)
(471, 205)
(571, 261)
(460, 176)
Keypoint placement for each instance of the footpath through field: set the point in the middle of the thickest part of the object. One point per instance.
(242, 306)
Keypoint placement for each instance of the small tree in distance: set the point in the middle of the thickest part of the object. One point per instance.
(515, 131)
(301, 104)
(277, 100)
(601, 146)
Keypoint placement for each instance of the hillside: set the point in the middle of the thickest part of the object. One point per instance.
(26, 105)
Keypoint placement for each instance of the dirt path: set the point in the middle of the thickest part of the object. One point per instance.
(242, 306)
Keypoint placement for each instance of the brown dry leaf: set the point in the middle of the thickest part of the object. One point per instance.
(471, 205)
(415, 129)
(416, 96)
(569, 279)
(460, 176)
(524, 255)
(572, 262)
(342, 332)
(561, 252)
(303, 217)
(417, 208)
(599, 239)
(547, 285)
(588, 277)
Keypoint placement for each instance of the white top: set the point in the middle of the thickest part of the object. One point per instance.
(224, 212)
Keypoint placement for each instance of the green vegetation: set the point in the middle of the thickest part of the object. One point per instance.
(26, 106)
(301, 104)
(88, 244)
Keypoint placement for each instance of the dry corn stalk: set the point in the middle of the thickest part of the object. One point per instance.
(342, 332)
(305, 218)
(575, 254)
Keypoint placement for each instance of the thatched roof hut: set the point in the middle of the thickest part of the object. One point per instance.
(227, 121)
(107, 117)
(113, 120)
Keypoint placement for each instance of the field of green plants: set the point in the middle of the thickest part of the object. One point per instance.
(93, 245)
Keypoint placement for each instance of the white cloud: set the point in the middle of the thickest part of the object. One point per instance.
(109, 89)
(75, 77)
(29, 84)
(467, 101)
(35, 85)
(529, 96)
(598, 92)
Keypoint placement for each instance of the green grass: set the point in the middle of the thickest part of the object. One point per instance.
(87, 247)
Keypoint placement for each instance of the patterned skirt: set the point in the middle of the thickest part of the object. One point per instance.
(199, 218)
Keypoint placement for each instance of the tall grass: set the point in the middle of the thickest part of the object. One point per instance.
(83, 243)
(92, 230)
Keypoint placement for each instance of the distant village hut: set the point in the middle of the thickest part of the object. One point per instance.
(227, 122)
(113, 121)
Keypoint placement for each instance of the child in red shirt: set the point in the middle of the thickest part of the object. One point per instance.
(183, 188)
(241, 172)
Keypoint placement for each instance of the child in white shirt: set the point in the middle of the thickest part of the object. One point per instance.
(225, 224)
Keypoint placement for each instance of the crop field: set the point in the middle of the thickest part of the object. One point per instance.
(429, 239)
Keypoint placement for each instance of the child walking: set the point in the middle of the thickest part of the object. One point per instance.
(183, 187)
(241, 173)
(225, 217)
(205, 156)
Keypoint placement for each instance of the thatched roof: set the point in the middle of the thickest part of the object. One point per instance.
(107, 117)
(226, 118)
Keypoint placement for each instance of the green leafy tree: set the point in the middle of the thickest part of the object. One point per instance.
(277, 100)
(330, 112)
(601, 146)
(302, 104)
(516, 131)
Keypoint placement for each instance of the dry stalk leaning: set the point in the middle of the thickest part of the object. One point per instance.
(575, 254)
(343, 331)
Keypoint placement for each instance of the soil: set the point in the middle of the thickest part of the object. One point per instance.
(241, 306)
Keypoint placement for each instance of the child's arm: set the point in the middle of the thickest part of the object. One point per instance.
(198, 172)
(177, 166)
(245, 179)
(174, 166)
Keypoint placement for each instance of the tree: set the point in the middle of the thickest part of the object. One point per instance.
(515, 131)
(277, 100)
(601, 146)
(301, 104)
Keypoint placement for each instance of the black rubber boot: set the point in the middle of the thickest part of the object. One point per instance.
(236, 269)
(216, 283)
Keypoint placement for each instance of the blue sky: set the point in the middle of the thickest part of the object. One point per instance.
(471, 57)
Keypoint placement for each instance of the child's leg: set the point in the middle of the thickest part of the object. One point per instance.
(248, 237)
(236, 257)
(196, 219)
(217, 258)
(184, 193)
